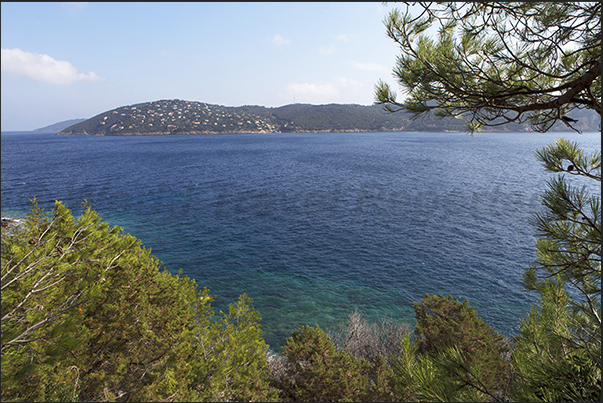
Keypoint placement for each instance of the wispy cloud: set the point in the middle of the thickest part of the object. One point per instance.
(348, 82)
(326, 50)
(313, 92)
(342, 37)
(369, 66)
(42, 68)
(331, 92)
(74, 7)
(278, 40)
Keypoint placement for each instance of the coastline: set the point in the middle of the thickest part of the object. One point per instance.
(9, 224)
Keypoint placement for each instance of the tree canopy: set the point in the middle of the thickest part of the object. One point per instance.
(495, 63)
(89, 314)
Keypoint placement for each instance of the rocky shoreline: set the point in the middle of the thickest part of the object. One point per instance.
(216, 132)
(10, 222)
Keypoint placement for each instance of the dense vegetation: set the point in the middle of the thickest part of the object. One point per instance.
(89, 314)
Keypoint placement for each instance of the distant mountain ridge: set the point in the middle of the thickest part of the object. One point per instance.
(177, 116)
(57, 127)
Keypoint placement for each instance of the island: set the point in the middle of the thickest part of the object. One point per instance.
(165, 117)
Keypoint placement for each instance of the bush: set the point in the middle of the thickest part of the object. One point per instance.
(473, 354)
(318, 372)
(233, 357)
(549, 365)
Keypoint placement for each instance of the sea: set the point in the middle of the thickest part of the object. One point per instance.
(311, 226)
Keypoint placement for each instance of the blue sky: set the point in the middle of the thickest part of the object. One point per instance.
(75, 60)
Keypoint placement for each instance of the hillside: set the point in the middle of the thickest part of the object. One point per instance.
(185, 117)
(172, 117)
(189, 117)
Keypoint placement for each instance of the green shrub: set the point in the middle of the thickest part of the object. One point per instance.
(318, 372)
(233, 357)
(471, 353)
(550, 366)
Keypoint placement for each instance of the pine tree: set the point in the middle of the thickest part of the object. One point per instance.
(499, 63)
(558, 350)
(454, 355)
(494, 63)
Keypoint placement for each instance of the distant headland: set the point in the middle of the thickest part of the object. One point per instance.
(177, 116)
(57, 127)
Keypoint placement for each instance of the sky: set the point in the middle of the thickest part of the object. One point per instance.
(64, 61)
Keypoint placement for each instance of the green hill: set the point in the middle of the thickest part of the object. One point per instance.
(190, 117)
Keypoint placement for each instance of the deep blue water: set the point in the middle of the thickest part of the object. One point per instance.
(311, 226)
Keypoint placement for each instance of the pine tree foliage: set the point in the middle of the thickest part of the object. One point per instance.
(550, 366)
(233, 357)
(501, 63)
(420, 377)
(455, 346)
(89, 314)
(558, 350)
(497, 62)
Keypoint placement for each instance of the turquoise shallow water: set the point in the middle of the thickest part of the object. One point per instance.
(311, 226)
